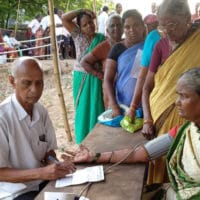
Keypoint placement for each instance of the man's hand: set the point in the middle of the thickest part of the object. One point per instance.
(57, 170)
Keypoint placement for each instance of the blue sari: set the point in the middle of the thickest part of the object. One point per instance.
(126, 81)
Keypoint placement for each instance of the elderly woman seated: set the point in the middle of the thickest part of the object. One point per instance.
(182, 144)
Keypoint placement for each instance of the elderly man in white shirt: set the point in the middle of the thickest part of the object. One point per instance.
(28, 141)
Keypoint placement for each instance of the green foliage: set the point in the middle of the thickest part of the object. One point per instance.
(28, 9)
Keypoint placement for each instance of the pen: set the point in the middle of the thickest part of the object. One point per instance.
(53, 159)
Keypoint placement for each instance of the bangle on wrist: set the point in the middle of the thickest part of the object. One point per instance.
(96, 157)
(148, 121)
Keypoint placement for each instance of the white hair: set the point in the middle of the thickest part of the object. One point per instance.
(192, 79)
(112, 17)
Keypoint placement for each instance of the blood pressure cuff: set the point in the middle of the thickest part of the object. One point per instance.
(158, 146)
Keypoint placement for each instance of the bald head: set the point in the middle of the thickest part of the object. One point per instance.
(27, 80)
(25, 63)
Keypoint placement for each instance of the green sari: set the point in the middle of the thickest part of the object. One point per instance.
(183, 163)
(88, 97)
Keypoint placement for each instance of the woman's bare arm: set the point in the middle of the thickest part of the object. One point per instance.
(88, 62)
(138, 92)
(68, 19)
(148, 129)
(109, 79)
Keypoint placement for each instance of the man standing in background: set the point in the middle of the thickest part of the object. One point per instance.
(118, 8)
(34, 25)
(102, 18)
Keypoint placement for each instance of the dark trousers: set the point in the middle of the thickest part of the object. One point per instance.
(32, 194)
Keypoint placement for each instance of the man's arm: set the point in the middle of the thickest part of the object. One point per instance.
(52, 171)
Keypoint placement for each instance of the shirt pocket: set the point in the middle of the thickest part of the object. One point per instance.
(39, 149)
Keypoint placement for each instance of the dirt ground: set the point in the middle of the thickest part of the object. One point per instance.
(50, 98)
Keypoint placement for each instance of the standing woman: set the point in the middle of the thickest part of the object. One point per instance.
(94, 62)
(87, 88)
(121, 69)
(159, 91)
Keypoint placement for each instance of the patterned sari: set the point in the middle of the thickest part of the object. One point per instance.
(183, 163)
(88, 97)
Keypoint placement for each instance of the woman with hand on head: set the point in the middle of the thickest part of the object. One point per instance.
(181, 144)
(94, 62)
(87, 88)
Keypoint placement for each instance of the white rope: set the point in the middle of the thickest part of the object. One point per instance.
(31, 40)
(41, 56)
(25, 49)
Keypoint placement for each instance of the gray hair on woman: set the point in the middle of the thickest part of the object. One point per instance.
(192, 79)
(174, 8)
(113, 16)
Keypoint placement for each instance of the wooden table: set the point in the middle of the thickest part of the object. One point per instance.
(124, 182)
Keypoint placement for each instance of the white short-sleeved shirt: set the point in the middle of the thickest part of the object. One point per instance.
(13, 41)
(34, 25)
(102, 19)
(7, 40)
(23, 142)
(46, 23)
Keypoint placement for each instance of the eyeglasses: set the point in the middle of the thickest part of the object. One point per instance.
(168, 27)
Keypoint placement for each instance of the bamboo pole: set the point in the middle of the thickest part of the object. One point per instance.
(56, 69)
(17, 18)
(95, 11)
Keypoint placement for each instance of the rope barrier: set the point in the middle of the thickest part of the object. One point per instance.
(25, 49)
(41, 56)
(3, 55)
(28, 41)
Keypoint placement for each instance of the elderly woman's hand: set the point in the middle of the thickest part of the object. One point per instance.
(82, 155)
(148, 130)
